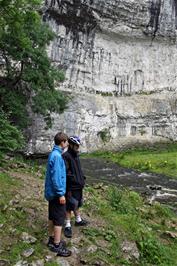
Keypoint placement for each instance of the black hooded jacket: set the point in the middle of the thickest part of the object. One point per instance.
(74, 175)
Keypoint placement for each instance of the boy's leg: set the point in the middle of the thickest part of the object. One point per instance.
(50, 233)
(68, 219)
(68, 229)
(60, 246)
(79, 221)
(50, 228)
(57, 215)
(57, 234)
(77, 215)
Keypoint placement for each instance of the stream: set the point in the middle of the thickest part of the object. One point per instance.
(155, 187)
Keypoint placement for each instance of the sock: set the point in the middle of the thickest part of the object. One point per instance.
(56, 245)
(78, 218)
(68, 223)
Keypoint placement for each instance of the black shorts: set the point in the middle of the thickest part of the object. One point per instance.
(74, 200)
(57, 212)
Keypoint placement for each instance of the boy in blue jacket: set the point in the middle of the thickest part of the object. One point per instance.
(55, 189)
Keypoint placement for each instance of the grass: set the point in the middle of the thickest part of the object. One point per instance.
(125, 216)
(25, 165)
(161, 159)
(116, 215)
(15, 220)
(51, 264)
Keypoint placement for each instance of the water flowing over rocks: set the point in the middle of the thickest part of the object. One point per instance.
(120, 62)
(154, 187)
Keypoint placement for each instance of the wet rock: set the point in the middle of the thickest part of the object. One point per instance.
(172, 224)
(28, 252)
(100, 186)
(102, 243)
(8, 157)
(4, 262)
(83, 261)
(99, 263)
(76, 241)
(151, 199)
(18, 165)
(12, 230)
(30, 211)
(62, 262)
(75, 250)
(170, 234)
(5, 207)
(130, 250)
(22, 263)
(37, 263)
(13, 202)
(92, 249)
(27, 238)
(155, 187)
(48, 258)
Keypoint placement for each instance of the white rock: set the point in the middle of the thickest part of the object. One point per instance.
(124, 80)
(21, 263)
(37, 263)
(92, 249)
(28, 252)
(62, 262)
(130, 250)
(28, 238)
(48, 258)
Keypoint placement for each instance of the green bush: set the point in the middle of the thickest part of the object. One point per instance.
(104, 135)
(11, 138)
(152, 251)
(124, 201)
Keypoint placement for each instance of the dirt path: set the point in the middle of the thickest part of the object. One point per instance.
(31, 199)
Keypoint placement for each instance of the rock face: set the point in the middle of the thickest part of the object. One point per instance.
(120, 60)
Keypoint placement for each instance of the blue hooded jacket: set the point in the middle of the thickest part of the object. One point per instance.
(55, 182)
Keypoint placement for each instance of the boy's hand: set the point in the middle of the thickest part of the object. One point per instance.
(62, 200)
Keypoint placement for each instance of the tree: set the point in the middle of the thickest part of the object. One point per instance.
(27, 76)
(10, 137)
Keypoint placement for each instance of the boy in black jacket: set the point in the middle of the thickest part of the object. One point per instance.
(75, 182)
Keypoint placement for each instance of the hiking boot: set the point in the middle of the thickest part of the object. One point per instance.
(55, 248)
(81, 223)
(63, 251)
(68, 232)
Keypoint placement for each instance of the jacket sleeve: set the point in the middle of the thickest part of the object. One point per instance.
(84, 177)
(69, 173)
(57, 176)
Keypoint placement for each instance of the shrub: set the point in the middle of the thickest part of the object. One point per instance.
(11, 138)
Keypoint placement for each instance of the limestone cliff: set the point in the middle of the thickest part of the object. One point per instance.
(120, 60)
